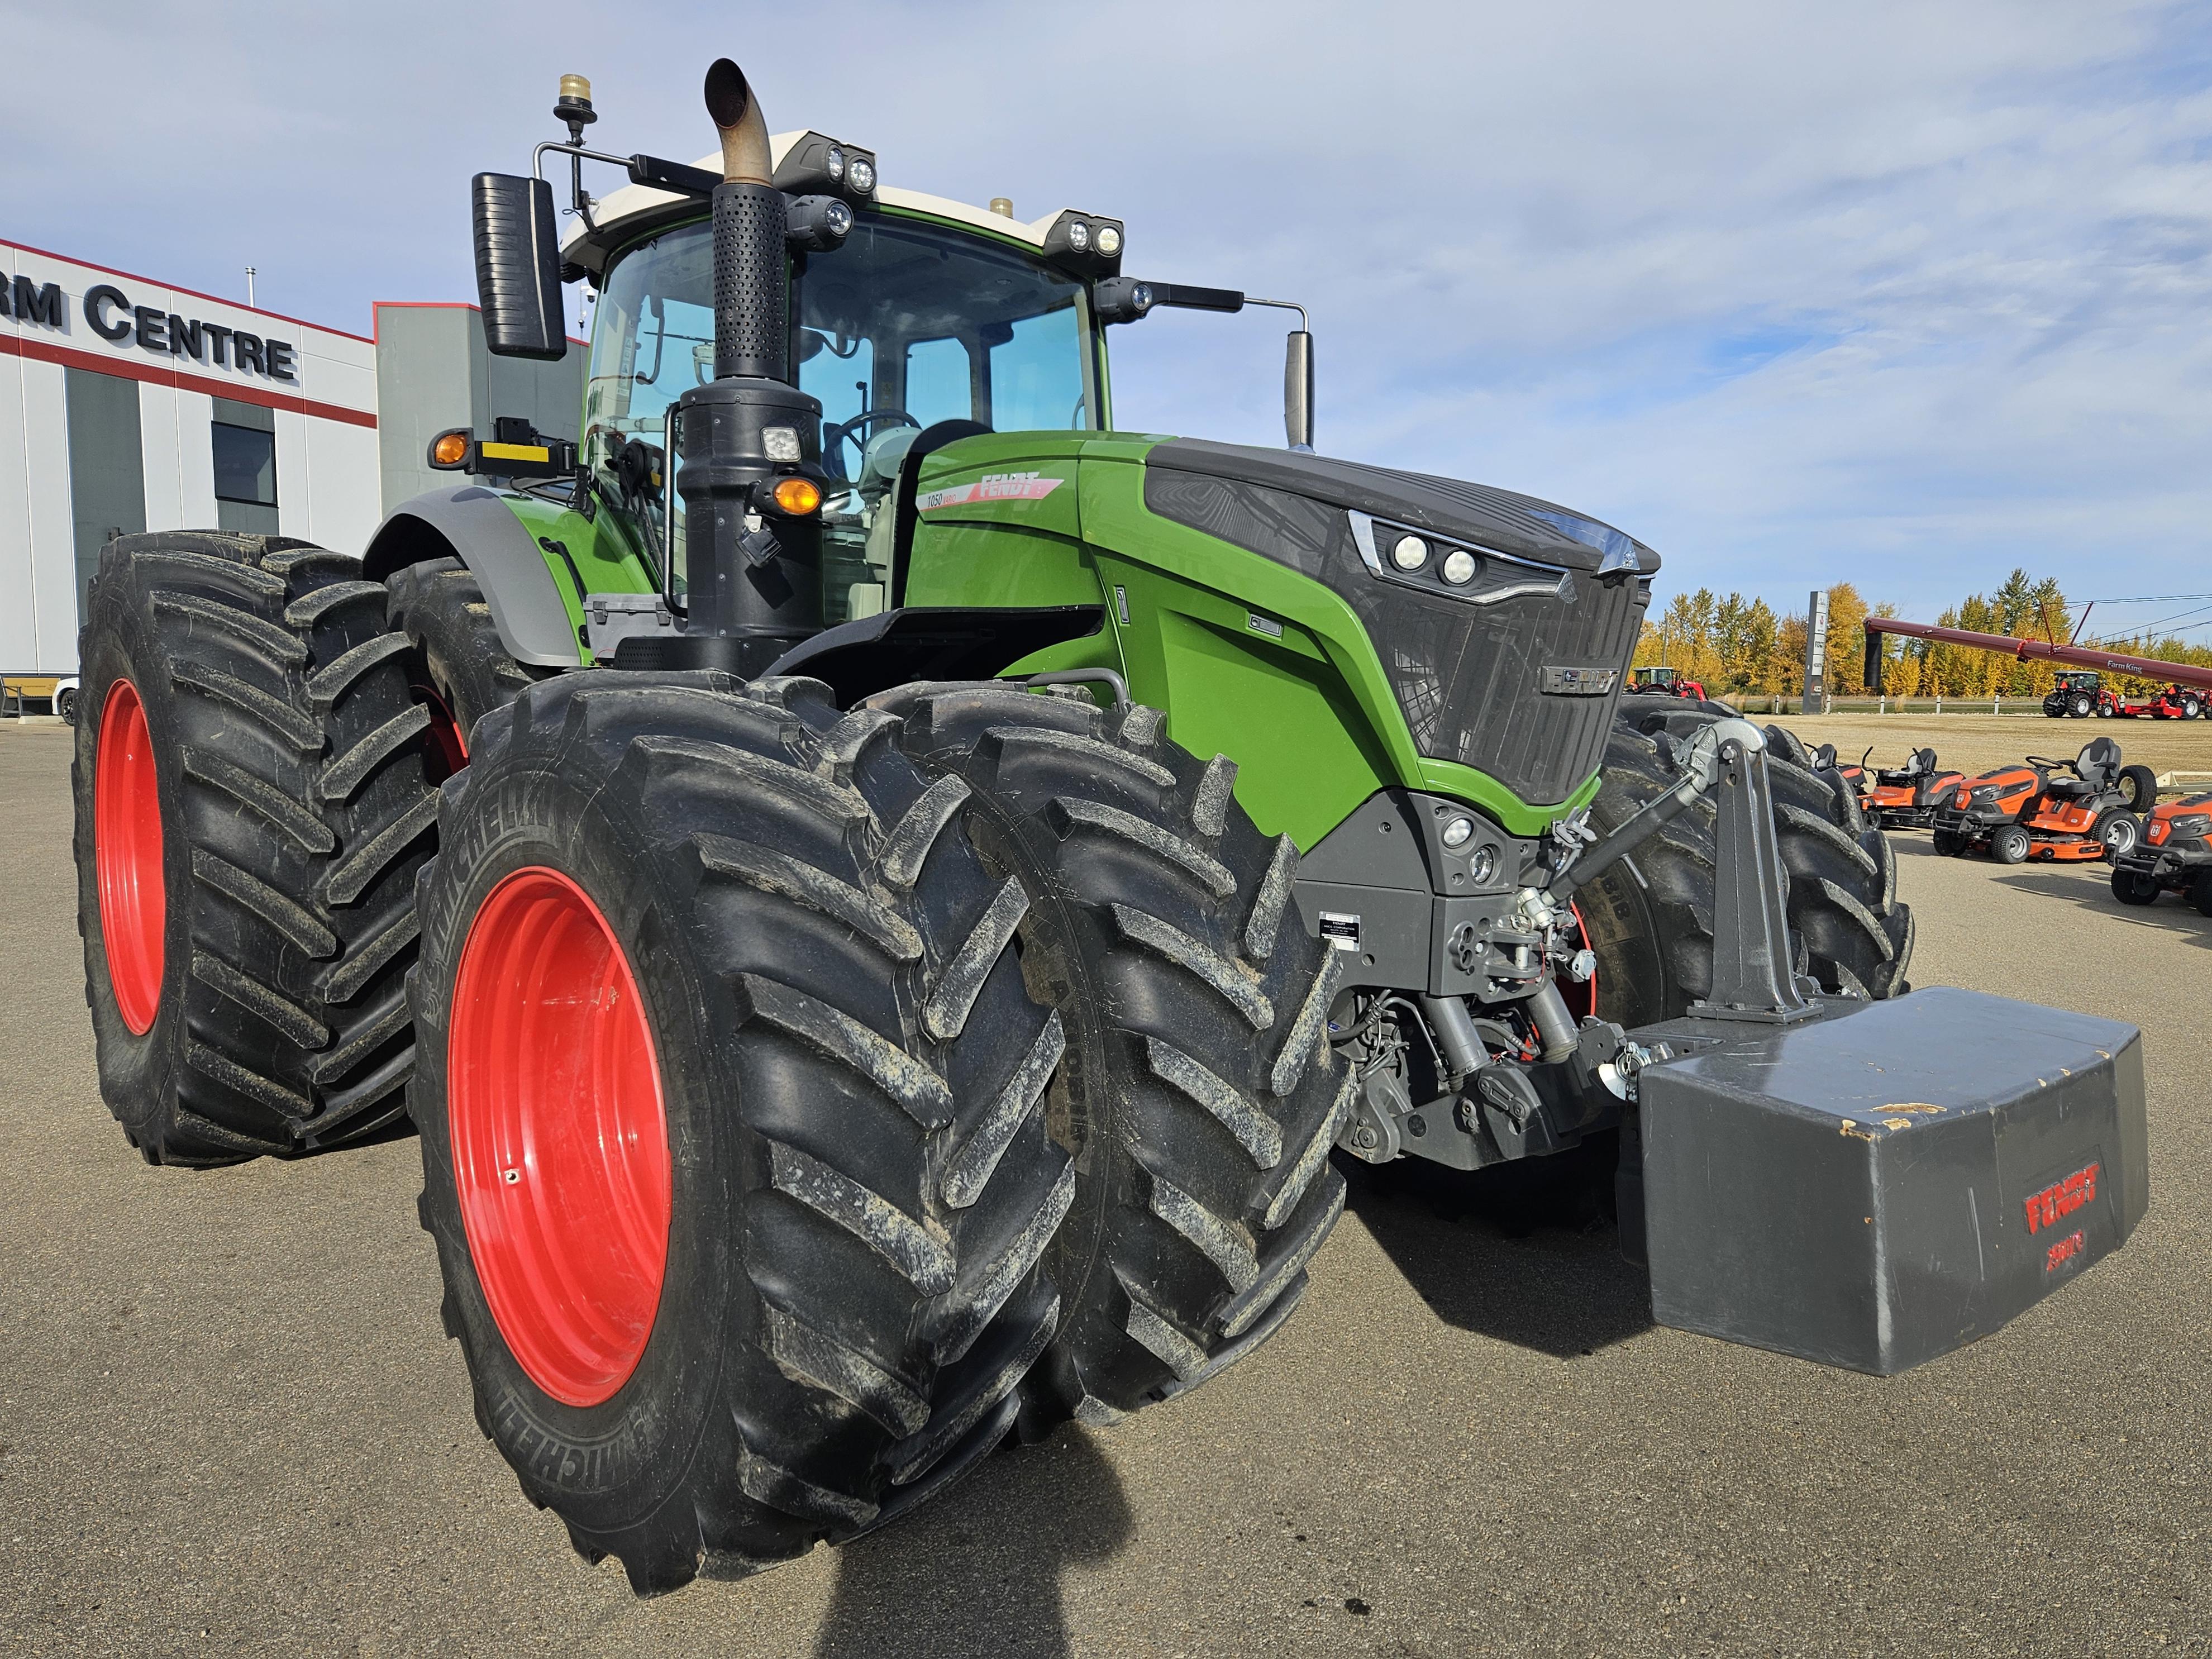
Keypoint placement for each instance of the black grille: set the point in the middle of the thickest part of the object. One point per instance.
(1468, 678)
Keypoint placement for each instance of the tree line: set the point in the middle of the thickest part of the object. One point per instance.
(1740, 647)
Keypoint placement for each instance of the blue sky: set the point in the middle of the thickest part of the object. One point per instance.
(1901, 293)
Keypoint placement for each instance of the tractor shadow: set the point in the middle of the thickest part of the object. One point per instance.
(2084, 892)
(1527, 1253)
(980, 1570)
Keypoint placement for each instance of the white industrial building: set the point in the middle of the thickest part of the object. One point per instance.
(128, 404)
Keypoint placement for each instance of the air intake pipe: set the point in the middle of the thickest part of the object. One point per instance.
(754, 568)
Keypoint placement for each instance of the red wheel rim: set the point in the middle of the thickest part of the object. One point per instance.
(126, 843)
(560, 1138)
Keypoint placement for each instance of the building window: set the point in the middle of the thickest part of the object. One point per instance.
(245, 465)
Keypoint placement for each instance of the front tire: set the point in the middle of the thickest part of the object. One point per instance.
(2008, 844)
(856, 1183)
(1854, 934)
(2129, 888)
(1200, 1094)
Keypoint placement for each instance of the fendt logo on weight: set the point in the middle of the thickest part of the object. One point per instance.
(2060, 1198)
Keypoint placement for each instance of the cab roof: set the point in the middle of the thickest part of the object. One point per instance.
(621, 214)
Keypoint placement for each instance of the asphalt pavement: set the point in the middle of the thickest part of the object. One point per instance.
(230, 1422)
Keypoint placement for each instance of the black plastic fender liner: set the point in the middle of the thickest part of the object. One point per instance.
(474, 525)
(1877, 1188)
(869, 654)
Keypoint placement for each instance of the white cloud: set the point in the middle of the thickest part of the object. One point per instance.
(1903, 292)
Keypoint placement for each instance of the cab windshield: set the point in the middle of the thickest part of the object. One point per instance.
(905, 326)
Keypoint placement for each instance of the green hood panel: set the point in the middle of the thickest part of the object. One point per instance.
(1248, 657)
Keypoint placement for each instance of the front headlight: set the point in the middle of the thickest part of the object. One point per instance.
(1472, 574)
(2189, 827)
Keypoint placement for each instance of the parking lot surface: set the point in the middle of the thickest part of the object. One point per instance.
(230, 1422)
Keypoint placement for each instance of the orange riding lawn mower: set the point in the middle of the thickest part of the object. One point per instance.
(2070, 811)
(2174, 855)
(1907, 797)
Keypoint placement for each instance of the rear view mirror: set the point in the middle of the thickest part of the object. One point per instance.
(1298, 390)
(519, 267)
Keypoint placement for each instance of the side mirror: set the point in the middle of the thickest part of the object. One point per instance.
(1298, 391)
(519, 267)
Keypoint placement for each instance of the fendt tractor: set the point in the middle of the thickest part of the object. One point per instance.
(881, 894)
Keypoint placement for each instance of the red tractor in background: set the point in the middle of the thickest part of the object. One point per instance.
(1668, 682)
(2080, 694)
(2173, 856)
(2033, 811)
(1905, 797)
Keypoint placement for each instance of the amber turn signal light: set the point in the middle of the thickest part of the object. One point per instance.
(450, 449)
(796, 496)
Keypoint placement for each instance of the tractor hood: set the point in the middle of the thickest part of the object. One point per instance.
(1514, 670)
(1519, 525)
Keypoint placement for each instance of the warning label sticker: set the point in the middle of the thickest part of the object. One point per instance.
(1338, 930)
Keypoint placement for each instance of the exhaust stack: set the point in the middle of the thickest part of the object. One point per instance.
(755, 571)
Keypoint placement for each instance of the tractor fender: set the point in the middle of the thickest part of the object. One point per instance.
(475, 524)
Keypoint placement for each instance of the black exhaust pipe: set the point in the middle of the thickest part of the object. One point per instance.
(755, 572)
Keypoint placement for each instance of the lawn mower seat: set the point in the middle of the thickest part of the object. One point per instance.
(2097, 767)
(1920, 763)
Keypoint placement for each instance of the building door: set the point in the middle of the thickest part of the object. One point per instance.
(107, 465)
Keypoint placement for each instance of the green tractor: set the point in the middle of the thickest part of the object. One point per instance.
(885, 898)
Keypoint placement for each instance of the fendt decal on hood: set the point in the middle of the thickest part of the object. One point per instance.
(991, 486)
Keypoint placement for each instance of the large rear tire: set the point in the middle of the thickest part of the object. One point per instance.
(1200, 1094)
(813, 1302)
(2139, 789)
(458, 667)
(250, 815)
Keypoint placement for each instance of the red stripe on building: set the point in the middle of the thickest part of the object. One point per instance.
(14, 345)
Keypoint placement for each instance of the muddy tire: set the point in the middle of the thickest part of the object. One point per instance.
(459, 668)
(246, 927)
(1652, 924)
(812, 1278)
(1200, 1094)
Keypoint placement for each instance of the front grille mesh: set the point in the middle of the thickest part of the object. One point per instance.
(1468, 678)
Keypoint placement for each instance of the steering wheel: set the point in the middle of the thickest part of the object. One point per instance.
(838, 433)
(2045, 760)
